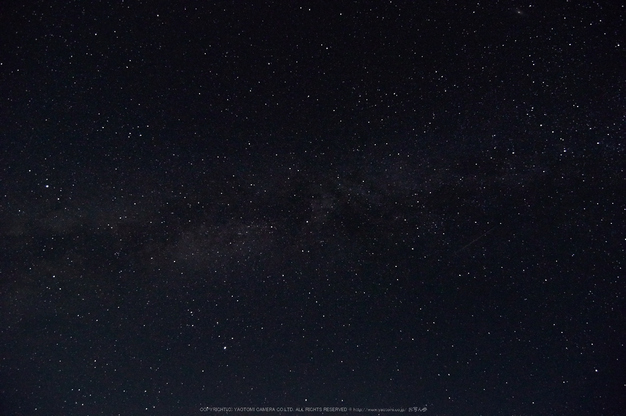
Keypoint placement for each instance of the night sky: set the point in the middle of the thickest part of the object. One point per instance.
(370, 204)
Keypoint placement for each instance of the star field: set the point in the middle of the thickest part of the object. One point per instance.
(373, 204)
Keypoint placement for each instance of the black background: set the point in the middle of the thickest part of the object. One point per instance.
(312, 203)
